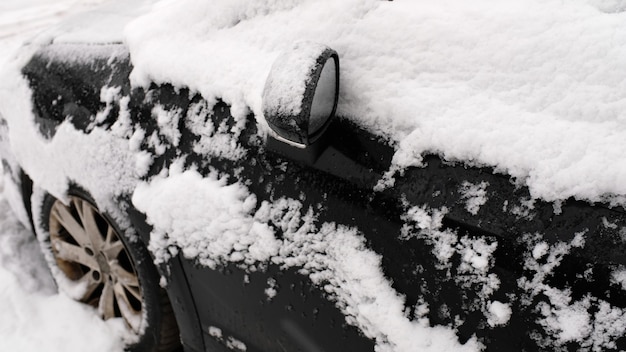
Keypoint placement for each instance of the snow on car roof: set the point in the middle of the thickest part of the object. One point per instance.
(535, 89)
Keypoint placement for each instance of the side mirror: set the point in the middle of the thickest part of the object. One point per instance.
(301, 93)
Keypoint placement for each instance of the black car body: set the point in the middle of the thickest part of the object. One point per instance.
(456, 243)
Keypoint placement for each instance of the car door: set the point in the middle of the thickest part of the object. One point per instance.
(278, 304)
(475, 261)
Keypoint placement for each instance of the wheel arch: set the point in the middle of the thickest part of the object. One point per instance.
(177, 287)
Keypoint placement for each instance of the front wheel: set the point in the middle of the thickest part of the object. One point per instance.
(96, 264)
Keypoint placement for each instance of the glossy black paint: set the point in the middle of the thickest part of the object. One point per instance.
(336, 176)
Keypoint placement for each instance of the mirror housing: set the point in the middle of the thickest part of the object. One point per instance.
(301, 93)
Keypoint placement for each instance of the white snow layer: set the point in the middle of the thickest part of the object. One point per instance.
(534, 88)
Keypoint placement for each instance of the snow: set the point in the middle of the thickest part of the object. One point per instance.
(474, 195)
(286, 85)
(168, 123)
(499, 312)
(211, 231)
(271, 290)
(567, 320)
(105, 22)
(231, 343)
(475, 259)
(535, 89)
(619, 277)
(540, 250)
(220, 142)
(589, 321)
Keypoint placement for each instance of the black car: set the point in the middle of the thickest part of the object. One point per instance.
(204, 234)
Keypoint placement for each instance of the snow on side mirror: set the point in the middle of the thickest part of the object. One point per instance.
(301, 93)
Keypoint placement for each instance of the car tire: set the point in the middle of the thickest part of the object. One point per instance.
(94, 261)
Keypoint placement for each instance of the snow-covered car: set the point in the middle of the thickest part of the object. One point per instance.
(218, 184)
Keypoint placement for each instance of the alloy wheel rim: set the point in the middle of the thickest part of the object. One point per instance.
(89, 252)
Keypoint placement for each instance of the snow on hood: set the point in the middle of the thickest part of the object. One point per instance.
(533, 88)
